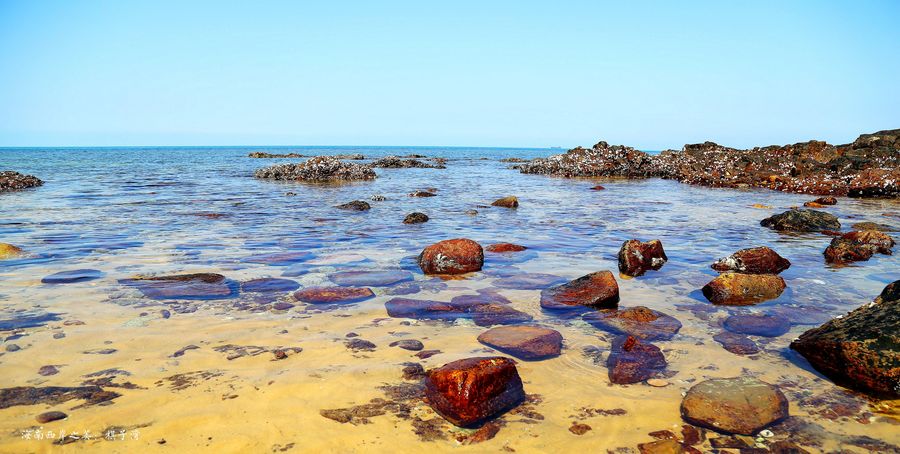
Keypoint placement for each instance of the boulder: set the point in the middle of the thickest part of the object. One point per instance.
(8, 251)
(757, 324)
(201, 286)
(597, 290)
(333, 295)
(415, 218)
(633, 361)
(455, 256)
(317, 169)
(798, 220)
(356, 205)
(470, 391)
(858, 246)
(14, 181)
(635, 258)
(742, 405)
(639, 321)
(736, 343)
(505, 247)
(757, 260)
(524, 342)
(506, 202)
(736, 289)
(860, 350)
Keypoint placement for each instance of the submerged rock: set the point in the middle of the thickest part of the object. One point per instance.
(826, 200)
(471, 391)
(758, 324)
(72, 276)
(424, 309)
(757, 260)
(524, 342)
(638, 321)
(798, 220)
(415, 218)
(500, 248)
(875, 226)
(506, 202)
(597, 290)
(333, 295)
(183, 286)
(9, 251)
(455, 256)
(396, 162)
(736, 343)
(860, 350)
(14, 181)
(356, 205)
(858, 246)
(269, 285)
(498, 314)
(53, 395)
(317, 169)
(736, 289)
(280, 258)
(636, 258)
(365, 278)
(408, 344)
(422, 194)
(264, 155)
(742, 405)
(633, 361)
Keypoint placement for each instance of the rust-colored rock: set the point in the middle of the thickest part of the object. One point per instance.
(742, 405)
(598, 290)
(471, 391)
(633, 361)
(736, 289)
(333, 295)
(635, 258)
(455, 256)
(639, 321)
(506, 202)
(858, 246)
(598, 188)
(757, 260)
(860, 350)
(505, 247)
(9, 251)
(813, 205)
(498, 314)
(524, 342)
(828, 200)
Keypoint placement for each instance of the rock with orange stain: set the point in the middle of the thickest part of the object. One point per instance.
(455, 256)
(471, 391)
(597, 290)
(757, 260)
(333, 295)
(505, 247)
(636, 258)
(736, 289)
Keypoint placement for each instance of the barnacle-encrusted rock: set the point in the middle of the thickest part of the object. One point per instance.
(858, 246)
(455, 256)
(396, 162)
(319, 168)
(757, 260)
(14, 181)
(264, 155)
(601, 160)
(636, 258)
(798, 220)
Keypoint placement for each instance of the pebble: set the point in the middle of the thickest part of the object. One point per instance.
(657, 383)
(50, 416)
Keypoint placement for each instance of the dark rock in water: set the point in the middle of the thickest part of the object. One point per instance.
(396, 162)
(758, 324)
(424, 309)
(636, 258)
(742, 405)
(858, 246)
(530, 281)
(12, 348)
(455, 256)
(422, 194)
(14, 181)
(280, 258)
(506, 202)
(413, 371)
(736, 289)
(826, 200)
(597, 290)
(333, 295)
(269, 284)
(351, 156)
(50, 416)
(356, 205)
(598, 188)
(633, 361)
(601, 160)
(875, 226)
(317, 169)
(27, 320)
(370, 278)
(505, 247)
(415, 218)
(484, 296)
(470, 391)
(498, 314)
(408, 344)
(264, 155)
(53, 395)
(357, 344)
(638, 321)
(378, 198)
(406, 288)
(282, 306)
(736, 343)
(183, 286)
(757, 260)
(798, 220)
(48, 370)
(524, 342)
(860, 350)
(72, 276)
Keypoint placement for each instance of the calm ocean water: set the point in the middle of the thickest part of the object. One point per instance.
(131, 211)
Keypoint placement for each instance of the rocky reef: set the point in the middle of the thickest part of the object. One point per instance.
(396, 162)
(317, 169)
(14, 181)
(868, 167)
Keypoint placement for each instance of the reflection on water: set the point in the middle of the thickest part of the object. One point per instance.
(251, 370)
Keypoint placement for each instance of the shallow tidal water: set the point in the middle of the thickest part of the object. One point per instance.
(128, 212)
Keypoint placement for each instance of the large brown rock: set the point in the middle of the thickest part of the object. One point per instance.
(757, 260)
(736, 289)
(798, 220)
(524, 342)
(639, 321)
(742, 405)
(860, 350)
(506, 202)
(598, 290)
(633, 361)
(455, 256)
(858, 246)
(635, 258)
(470, 391)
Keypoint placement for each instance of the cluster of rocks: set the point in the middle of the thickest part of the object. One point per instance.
(749, 276)
(396, 162)
(14, 181)
(262, 154)
(868, 167)
(317, 169)
(858, 245)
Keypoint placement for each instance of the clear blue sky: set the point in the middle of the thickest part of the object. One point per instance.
(648, 74)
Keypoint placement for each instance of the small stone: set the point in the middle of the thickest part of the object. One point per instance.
(657, 383)
(357, 344)
(413, 371)
(505, 247)
(415, 218)
(798, 220)
(758, 324)
(742, 405)
(50, 416)
(597, 188)
(408, 344)
(8, 251)
(269, 285)
(865, 226)
(72, 276)
(506, 202)
(13, 348)
(422, 194)
(48, 370)
(639, 321)
(633, 361)
(282, 306)
(578, 428)
(378, 198)
(356, 205)
(736, 343)
(524, 342)
(279, 354)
